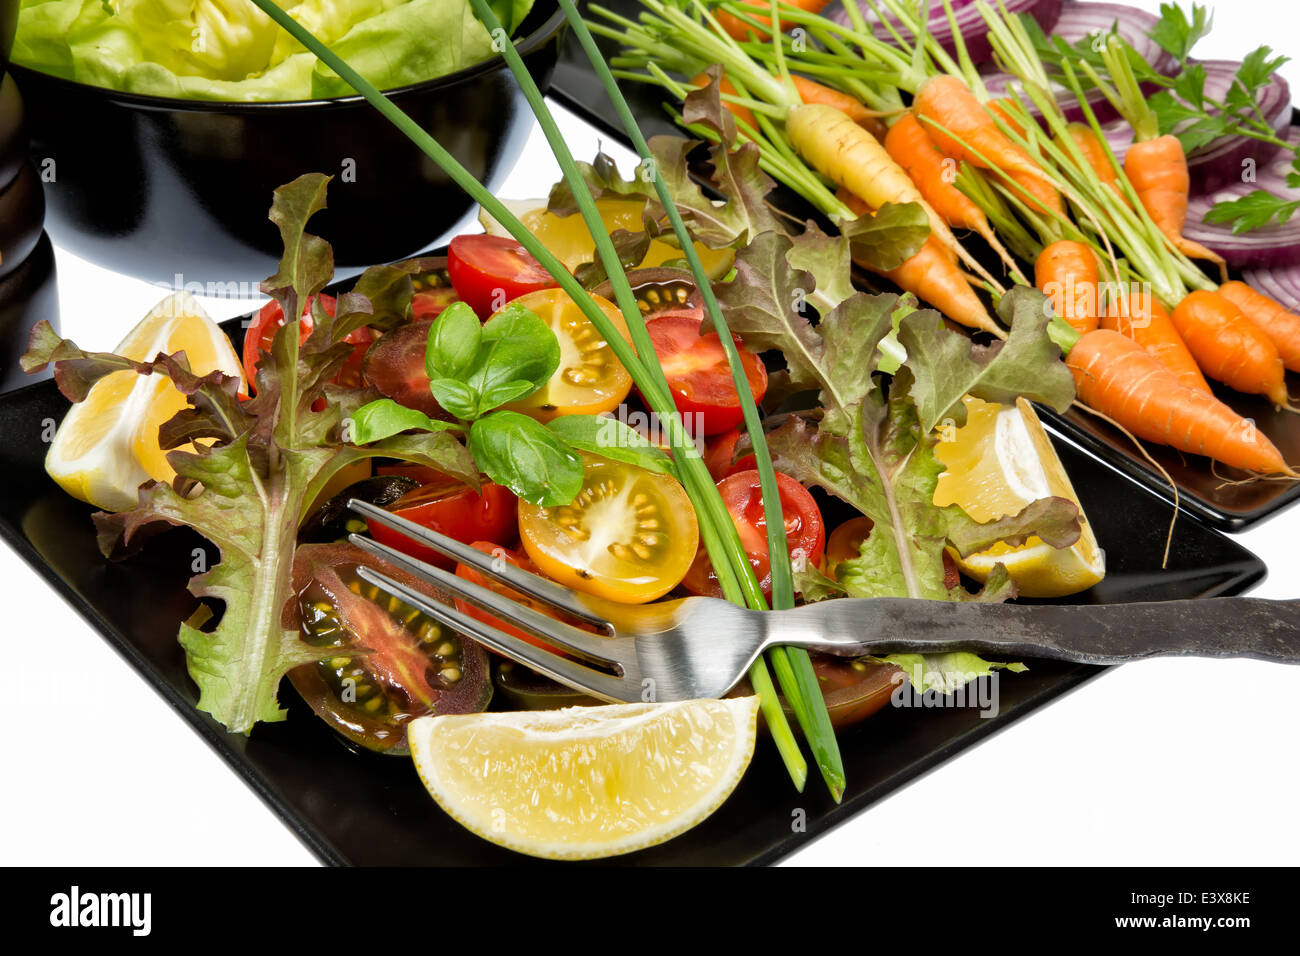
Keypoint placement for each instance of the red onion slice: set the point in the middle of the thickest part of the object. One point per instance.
(974, 31)
(1281, 284)
(1266, 248)
(1219, 163)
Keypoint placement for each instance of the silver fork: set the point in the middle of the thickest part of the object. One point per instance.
(701, 647)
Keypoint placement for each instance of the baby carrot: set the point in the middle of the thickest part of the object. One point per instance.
(811, 91)
(852, 158)
(1229, 347)
(1157, 168)
(1093, 151)
(961, 127)
(738, 29)
(1275, 320)
(1118, 378)
(933, 276)
(1067, 273)
(1140, 317)
(911, 147)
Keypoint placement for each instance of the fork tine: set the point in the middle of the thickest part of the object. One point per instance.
(568, 672)
(548, 592)
(602, 650)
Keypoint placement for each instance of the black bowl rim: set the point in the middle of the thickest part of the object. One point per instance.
(145, 101)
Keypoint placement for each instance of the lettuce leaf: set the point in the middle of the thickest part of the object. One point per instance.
(873, 443)
(270, 458)
(232, 51)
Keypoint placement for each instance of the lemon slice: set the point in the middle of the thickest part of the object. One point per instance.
(108, 443)
(586, 782)
(997, 463)
(570, 240)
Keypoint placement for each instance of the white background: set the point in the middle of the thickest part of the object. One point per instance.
(1163, 762)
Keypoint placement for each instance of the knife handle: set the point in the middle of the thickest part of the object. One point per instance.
(1081, 633)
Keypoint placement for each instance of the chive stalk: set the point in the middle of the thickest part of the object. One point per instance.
(793, 665)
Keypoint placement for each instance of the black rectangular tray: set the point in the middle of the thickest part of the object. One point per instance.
(1202, 490)
(351, 808)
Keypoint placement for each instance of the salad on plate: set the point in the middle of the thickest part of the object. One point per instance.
(639, 387)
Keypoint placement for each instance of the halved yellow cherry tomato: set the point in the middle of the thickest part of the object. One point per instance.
(590, 379)
(570, 241)
(629, 536)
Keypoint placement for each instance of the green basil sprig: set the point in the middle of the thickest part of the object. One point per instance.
(474, 368)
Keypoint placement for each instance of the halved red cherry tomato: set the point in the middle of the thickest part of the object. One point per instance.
(854, 689)
(519, 560)
(270, 317)
(489, 271)
(429, 303)
(845, 544)
(457, 511)
(805, 531)
(719, 452)
(698, 374)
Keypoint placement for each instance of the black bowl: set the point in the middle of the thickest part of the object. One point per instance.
(177, 191)
(8, 26)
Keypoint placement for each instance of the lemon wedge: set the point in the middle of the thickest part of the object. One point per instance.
(1000, 461)
(107, 444)
(586, 782)
(570, 240)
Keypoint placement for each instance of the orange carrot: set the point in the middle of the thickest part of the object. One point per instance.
(1094, 151)
(1229, 347)
(738, 29)
(813, 92)
(810, 92)
(742, 113)
(1120, 379)
(961, 127)
(1067, 273)
(1275, 320)
(1006, 109)
(913, 149)
(849, 156)
(1140, 316)
(1157, 168)
(932, 275)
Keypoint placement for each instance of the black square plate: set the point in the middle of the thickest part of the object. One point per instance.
(1232, 507)
(354, 808)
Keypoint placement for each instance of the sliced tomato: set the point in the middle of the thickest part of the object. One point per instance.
(475, 576)
(489, 271)
(720, 452)
(395, 366)
(590, 379)
(455, 510)
(429, 303)
(845, 544)
(805, 531)
(261, 333)
(699, 376)
(628, 536)
(386, 662)
(854, 688)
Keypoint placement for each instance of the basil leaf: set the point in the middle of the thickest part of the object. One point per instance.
(505, 392)
(516, 346)
(384, 418)
(610, 438)
(454, 340)
(456, 397)
(523, 455)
